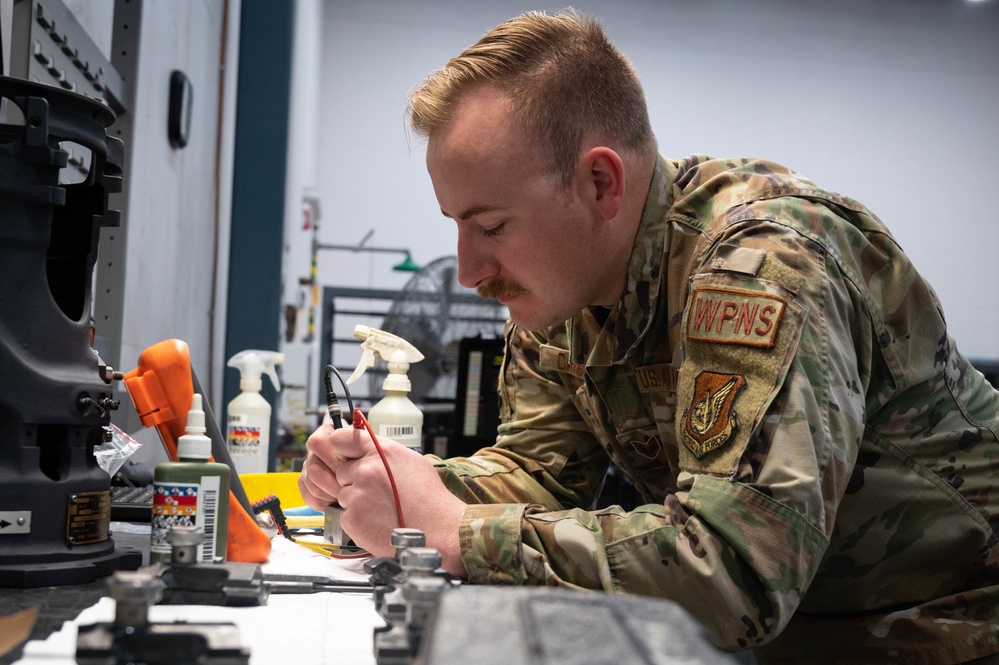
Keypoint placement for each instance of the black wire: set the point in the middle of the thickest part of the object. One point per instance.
(220, 451)
(332, 405)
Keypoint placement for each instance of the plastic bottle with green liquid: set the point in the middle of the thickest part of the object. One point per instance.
(191, 492)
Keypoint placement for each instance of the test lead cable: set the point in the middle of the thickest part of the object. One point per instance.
(361, 422)
(332, 404)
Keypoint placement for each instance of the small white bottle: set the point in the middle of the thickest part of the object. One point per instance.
(248, 415)
(395, 416)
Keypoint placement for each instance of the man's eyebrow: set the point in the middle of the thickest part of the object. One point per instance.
(471, 212)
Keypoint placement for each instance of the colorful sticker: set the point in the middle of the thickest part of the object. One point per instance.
(185, 504)
(244, 440)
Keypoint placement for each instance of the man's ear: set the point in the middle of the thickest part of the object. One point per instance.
(604, 176)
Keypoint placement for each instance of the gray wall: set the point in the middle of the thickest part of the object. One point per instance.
(893, 103)
(179, 199)
(177, 226)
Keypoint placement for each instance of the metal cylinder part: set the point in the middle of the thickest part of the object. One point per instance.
(417, 560)
(134, 592)
(403, 537)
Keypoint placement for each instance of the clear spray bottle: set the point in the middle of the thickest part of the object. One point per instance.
(248, 415)
(395, 416)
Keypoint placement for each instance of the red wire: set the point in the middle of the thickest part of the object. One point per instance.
(359, 422)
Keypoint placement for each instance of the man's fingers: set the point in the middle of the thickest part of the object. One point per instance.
(367, 471)
(318, 483)
(320, 445)
(325, 488)
(344, 473)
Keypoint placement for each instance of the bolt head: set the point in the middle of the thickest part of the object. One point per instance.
(135, 586)
(185, 535)
(425, 559)
(408, 537)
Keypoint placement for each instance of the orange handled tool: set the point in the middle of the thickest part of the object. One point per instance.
(162, 388)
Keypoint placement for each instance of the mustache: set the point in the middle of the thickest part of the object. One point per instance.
(500, 288)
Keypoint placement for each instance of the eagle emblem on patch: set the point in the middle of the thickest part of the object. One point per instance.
(710, 422)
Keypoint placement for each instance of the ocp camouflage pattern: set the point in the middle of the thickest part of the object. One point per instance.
(819, 461)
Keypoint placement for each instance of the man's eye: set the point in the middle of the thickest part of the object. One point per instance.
(494, 231)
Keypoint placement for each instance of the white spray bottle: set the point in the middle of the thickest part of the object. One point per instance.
(395, 416)
(248, 415)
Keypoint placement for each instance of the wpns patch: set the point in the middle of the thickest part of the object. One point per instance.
(734, 316)
(709, 422)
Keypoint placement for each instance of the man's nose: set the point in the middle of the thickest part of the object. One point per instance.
(475, 265)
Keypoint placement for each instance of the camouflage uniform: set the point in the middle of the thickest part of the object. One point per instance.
(817, 457)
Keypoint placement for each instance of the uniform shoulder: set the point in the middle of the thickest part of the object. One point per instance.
(708, 189)
(699, 176)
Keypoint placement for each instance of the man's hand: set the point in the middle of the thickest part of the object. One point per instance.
(343, 465)
(317, 482)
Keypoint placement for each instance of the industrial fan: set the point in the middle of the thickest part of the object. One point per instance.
(434, 313)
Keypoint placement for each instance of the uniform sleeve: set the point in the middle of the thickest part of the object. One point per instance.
(767, 431)
(544, 454)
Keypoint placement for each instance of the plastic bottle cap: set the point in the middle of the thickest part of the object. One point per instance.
(249, 385)
(397, 379)
(195, 416)
(249, 377)
(194, 444)
(397, 382)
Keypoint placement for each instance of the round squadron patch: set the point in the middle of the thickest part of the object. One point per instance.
(709, 422)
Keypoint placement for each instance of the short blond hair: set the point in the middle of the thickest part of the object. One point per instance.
(564, 78)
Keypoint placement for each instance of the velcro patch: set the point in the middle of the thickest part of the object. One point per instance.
(649, 448)
(709, 421)
(733, 316)
(555, 359)
(656, 378)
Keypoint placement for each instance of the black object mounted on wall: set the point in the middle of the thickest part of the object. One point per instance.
(179, 116)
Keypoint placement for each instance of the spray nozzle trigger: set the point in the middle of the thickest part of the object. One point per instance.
(380, 344)
(252, 363)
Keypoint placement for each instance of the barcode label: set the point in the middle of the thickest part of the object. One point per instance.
(208, 501)
(407, 435)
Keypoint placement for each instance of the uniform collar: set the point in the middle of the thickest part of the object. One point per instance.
(602, 338)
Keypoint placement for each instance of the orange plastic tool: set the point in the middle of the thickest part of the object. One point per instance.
(162, 389)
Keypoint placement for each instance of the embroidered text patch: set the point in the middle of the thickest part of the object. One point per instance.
(732, 316)
(656, 378)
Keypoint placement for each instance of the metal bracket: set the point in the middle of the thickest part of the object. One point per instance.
(48, 45)
(332, 531)
(15, 521)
